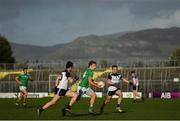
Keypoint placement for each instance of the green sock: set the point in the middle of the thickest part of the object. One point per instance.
(90, 107)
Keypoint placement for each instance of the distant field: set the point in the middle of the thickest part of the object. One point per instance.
(150, 109)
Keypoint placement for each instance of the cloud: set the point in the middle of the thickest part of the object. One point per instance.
(10, 9)
(153, 8)
(172, 20)
(49, 22)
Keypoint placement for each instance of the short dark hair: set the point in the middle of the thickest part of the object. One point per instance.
(69, 64)
(132, 71)
(114, 66)
(25, 67)
(91, 62)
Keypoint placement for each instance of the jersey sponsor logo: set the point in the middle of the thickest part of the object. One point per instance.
(115, 78)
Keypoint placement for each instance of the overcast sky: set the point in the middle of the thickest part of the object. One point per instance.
(50, 22)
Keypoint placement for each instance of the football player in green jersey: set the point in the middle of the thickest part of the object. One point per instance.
(85, 83)
(22, 81)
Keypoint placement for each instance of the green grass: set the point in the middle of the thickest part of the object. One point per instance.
(150, 109)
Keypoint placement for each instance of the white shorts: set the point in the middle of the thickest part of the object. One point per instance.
(112, 91)
(84, 90)
(112, 88)
(21, 88)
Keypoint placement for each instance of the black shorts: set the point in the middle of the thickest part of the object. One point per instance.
(56, 90)
(135, 87)
(111, 93)
(61, 92)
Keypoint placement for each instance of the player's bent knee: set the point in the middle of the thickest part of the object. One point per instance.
(120, 96)
(24, 94)
(75, 96)
(94, 96)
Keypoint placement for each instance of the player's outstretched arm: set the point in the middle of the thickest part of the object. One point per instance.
(73, 80)
(128, 82)
(30, 79)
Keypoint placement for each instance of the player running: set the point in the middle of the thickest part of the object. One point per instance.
(114, 81)
(135, 87)
(22, 80)
(62, 90)
(85, 83)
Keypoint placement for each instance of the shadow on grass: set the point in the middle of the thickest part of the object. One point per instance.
(97, 114)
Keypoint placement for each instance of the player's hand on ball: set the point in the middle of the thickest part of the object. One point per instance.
(101, 84)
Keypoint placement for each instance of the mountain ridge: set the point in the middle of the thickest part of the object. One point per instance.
(154, 42)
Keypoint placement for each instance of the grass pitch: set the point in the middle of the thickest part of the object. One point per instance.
(161, 109)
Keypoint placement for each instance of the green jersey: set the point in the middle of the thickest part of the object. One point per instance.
(85, 81)
(24, 79)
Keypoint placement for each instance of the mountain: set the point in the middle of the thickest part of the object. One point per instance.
(32, 52)
(153, 42)
(145, 43)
